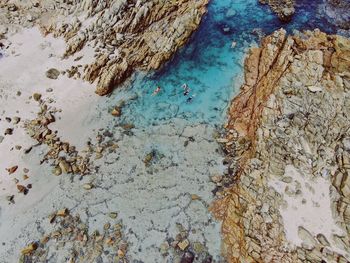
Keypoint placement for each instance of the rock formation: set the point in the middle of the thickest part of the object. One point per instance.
(125, 35)
(283, 8)
(338, 13)
(288, 131)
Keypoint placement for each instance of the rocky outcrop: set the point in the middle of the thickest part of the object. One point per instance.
(288, 133)
(338, 13)
(125, 35)
(283, 8)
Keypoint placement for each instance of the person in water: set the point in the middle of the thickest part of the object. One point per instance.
(189, 99)
(186, 89)
(156, 91)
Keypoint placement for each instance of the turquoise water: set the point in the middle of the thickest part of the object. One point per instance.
(208, 64)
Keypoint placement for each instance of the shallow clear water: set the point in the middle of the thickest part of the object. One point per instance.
(208, 64)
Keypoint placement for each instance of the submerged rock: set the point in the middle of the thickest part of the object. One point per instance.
(283, 8)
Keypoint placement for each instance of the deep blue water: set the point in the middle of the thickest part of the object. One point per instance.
(208, 64)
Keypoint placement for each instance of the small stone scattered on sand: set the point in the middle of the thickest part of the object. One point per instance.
(22, 189)
(52, 73)
(183, 244)
(12, 169)
(62, 212)
(16, 120)
(36, 96)
(116, 112)
(113, 215)
(29, 249)
(8, 131)
(88, 186)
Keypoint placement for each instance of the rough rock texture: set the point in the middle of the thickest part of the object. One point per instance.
(283, 8)
(125, 35)
(289, 129)
(337, 12)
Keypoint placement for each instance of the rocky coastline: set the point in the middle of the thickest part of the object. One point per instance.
(123, 36)
(287, 135)
(82, 184)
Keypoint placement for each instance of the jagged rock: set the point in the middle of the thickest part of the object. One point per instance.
(283, 8)
(127, 36)
(297, 128)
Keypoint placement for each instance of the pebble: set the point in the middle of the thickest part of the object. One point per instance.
(65, 167)
(8, 131)
(314, 89)
(216, 178)
(63, 212)
(22, 189)
(113, 215)
(116, 112)
(16, 120)
(12, 169)
(120, 253)
(10, 198)
(106, 226)
(164, 247)
(36, 96)
(88, 186)
(29, 249)
(2, 139)
(195, 197)
(287, 179)
(56, 171)
(27, 150)
(183, 244)
(52, 73)
(52, 218)
(198, 247)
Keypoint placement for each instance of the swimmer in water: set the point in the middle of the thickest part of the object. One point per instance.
(186, 89)
(156, 91)
(189, 99)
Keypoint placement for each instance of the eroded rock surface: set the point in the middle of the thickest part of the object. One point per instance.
(123, 35)
(288, 144)
(283, 8)
(338, 13)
